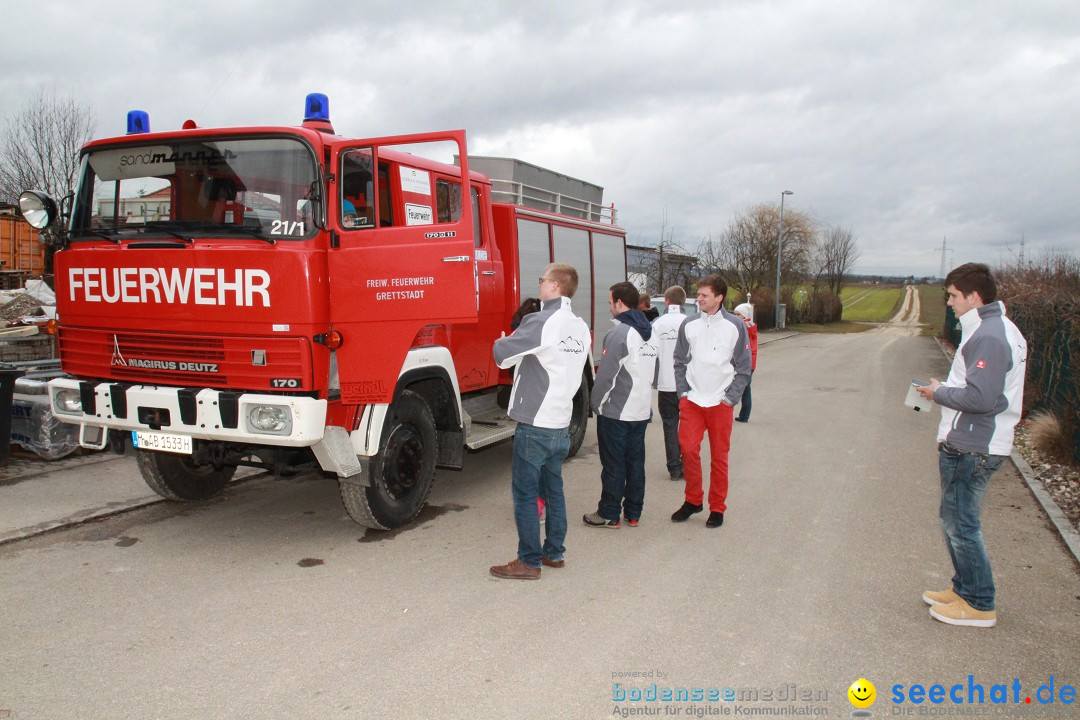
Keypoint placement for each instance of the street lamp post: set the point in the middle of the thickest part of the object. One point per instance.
(779, 248)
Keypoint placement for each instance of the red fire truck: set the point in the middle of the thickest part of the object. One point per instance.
(284, 297)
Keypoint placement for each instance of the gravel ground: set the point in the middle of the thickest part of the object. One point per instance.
(21, 305)
(1060, 480)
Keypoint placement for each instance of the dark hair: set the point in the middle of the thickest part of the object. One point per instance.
(716, 283)
(626, 292)
(973, 277)
(528, 306)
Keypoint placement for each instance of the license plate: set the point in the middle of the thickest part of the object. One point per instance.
(163, 442)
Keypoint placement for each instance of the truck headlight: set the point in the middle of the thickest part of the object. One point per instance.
(270, 419)
(67, 401)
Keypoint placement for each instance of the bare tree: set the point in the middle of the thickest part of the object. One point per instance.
(40, 145)
(834, 257)
(747, 252)
(672, 264)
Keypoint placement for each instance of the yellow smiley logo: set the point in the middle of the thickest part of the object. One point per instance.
(862, 693)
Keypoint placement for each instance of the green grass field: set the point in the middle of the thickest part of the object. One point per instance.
(836, 327)
(870, 303)
(932, 309)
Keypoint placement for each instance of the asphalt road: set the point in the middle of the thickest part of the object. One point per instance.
(268, 602)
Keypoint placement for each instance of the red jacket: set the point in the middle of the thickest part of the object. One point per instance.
(751, 330)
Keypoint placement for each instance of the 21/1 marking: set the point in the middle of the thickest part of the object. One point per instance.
(286, 227)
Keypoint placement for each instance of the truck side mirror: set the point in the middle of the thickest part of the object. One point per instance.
(38, 208)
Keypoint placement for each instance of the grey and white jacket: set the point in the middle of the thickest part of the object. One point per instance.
(665, 335)
(982, 399)
(550, 348)
(623, 387)
(712, 359)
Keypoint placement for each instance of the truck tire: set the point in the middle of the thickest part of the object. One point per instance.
(404, 471)
(176, 477)
(579, 419)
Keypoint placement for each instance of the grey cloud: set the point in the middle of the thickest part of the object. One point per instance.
(904, 121)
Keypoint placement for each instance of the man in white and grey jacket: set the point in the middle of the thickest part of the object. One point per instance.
(981, 402)
(622, 403)
(712, 367)
(549, 348)
(666, 334)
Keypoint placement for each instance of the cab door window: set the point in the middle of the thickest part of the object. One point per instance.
(357, 200)
(386, 206)
(448, 206)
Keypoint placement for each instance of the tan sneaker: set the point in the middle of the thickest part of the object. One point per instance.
(960, 613)
(939, 597)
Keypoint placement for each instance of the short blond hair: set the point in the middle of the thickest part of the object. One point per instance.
(675, 295)
(567, 277)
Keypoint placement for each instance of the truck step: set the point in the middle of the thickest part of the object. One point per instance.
(488, 423)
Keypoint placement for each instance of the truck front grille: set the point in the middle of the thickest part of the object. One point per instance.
(186, 360)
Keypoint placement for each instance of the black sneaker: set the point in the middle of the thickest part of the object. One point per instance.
(715, 520)
(678, 475)
(684, 513)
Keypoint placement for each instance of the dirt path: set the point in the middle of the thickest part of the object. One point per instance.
(906, 321)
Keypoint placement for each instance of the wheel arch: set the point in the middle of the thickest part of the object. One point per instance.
(436, 383)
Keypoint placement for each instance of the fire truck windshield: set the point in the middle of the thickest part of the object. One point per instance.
(258, 187)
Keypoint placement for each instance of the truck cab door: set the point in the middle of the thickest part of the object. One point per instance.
(393, 267)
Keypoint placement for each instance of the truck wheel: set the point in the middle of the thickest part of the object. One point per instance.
(176, 477)
(404, 471)
(579, 419)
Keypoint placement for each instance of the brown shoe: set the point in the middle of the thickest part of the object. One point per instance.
(552, 563)
(515, 570)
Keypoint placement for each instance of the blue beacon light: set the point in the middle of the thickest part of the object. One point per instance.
(317, 113)
(138, 122)
(317, 107)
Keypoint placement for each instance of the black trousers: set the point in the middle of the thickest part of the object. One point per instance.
(668, 403)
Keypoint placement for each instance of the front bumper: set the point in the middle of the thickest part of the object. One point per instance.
(205, 414)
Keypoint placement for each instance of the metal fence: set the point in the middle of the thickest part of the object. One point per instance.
(509, 191)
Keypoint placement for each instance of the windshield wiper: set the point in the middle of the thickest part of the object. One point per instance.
(249, 231)
(149, 228)
(83, 232)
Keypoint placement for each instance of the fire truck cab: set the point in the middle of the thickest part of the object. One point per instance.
(285, 297)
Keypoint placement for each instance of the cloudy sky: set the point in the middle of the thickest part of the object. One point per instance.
(905, 121)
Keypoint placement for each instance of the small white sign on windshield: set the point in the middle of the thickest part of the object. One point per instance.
(124, 163)
(415, 181)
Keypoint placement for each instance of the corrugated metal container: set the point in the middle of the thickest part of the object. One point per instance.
(20, 249)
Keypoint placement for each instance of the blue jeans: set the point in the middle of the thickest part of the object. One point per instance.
(622, 455)
(537, 472)
(964, 476)
(747, 401)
